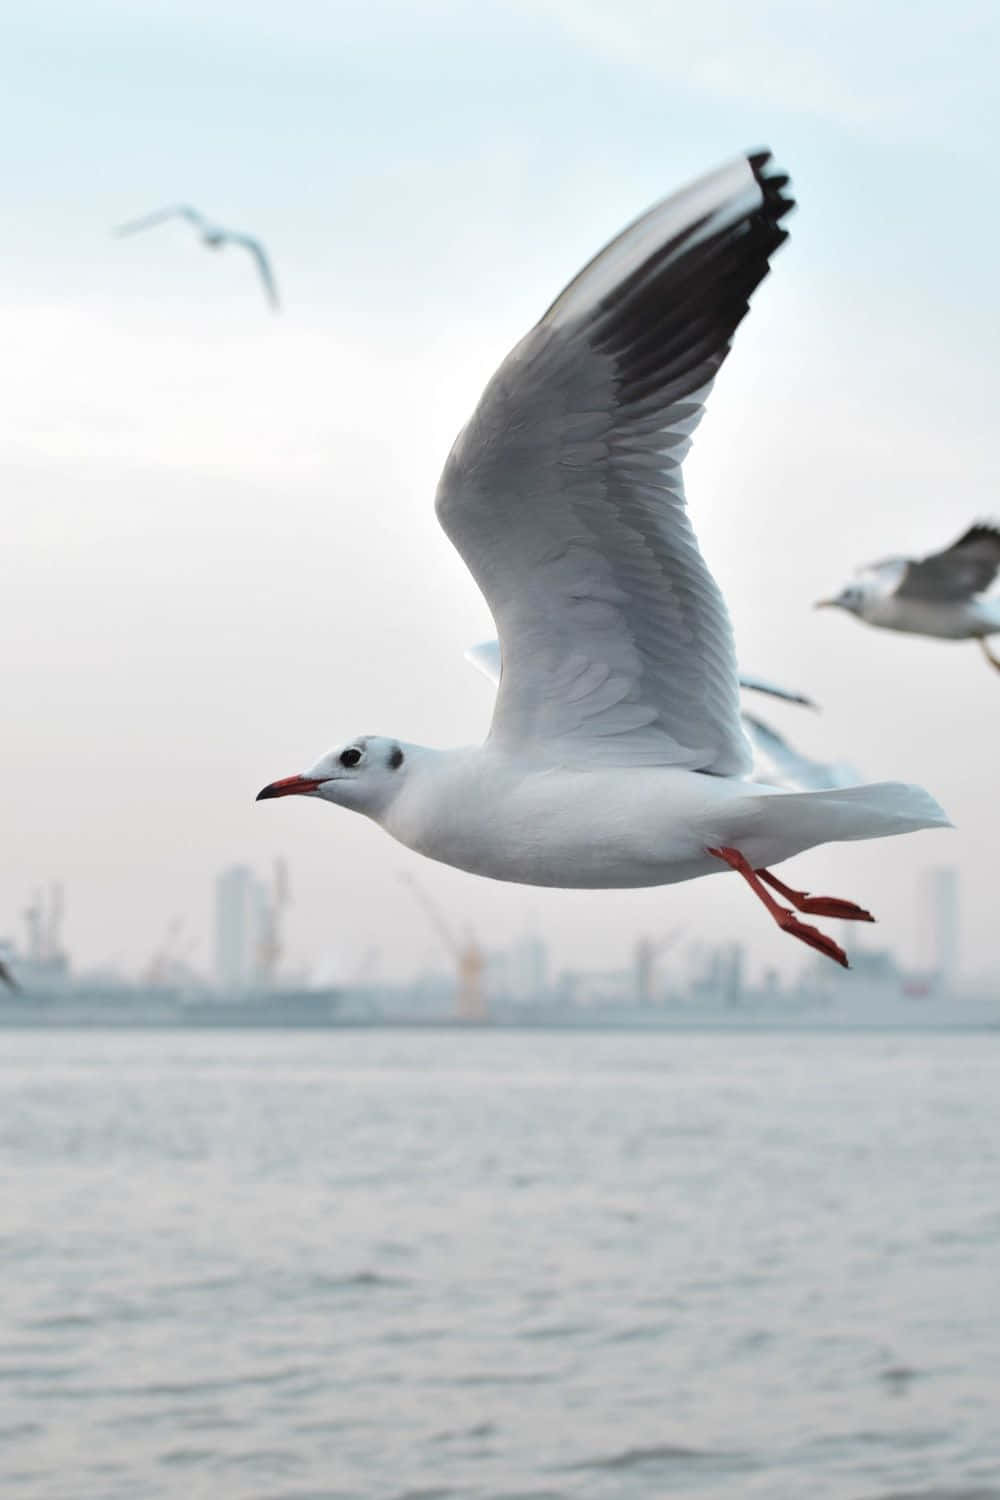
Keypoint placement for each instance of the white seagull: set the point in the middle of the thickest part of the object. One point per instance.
(214, 236)
(935, 595)
(615, 757)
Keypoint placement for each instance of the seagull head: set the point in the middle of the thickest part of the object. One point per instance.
(851, 597)
(364, 774)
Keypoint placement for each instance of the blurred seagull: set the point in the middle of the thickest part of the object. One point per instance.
(7, 977)
(214, 237)
(616, 756)
(935, 595)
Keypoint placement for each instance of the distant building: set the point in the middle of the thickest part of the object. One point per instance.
(242, 928)
(938, 911)
(528, 969)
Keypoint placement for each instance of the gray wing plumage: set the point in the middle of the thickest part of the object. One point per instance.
(965, 568)
(178, 211)
(486, 656)
(263, 265)
(564, 492)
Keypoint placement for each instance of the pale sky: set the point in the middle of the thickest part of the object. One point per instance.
(221, 555)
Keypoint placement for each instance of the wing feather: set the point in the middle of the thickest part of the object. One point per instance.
(964, 569)
(564, 492)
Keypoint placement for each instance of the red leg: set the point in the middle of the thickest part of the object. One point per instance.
(816, 906)
(786, 920)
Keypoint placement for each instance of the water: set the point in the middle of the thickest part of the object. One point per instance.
(363, 1266)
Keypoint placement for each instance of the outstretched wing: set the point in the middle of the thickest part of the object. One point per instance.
(965, 568)
(178, 211)
(263, 265)
(564, 492)
(486, 656)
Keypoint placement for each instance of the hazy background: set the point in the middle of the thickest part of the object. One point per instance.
(220, 554)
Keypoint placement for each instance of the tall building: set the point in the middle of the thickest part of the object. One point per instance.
(939, 922)
(242, 928)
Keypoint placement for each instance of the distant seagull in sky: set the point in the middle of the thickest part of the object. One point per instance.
(616, 755)
(214, 237)
(935, 595)
(7, 977)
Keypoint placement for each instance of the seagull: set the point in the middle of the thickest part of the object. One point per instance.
(615, 757)
(214, 237)
(935, 595)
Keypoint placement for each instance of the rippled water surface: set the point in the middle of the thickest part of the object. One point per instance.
(363, 1266)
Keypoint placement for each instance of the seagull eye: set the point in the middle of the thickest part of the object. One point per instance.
(350, 757)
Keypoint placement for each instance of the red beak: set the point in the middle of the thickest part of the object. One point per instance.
(287, 787)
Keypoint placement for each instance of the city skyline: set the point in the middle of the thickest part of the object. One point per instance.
(239, 945)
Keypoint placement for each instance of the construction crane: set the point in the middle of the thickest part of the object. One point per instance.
(470, 960)
(646, 953)
(169, 962)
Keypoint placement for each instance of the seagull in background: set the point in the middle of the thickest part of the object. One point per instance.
(616, 757)
(214, 237)
(935, 595)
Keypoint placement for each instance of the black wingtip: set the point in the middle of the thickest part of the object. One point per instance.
(772, 182)
(980, 531)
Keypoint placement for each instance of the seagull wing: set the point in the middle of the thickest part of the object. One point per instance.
(263, 265)
(965, 568)
(565, 498)
(761, 685)
(486, 656)
(178, 211)
(777, 763)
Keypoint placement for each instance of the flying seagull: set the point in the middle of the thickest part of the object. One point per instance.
(616, 756)
(214, 237)
(936, 595)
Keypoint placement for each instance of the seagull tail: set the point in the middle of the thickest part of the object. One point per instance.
(777, 830)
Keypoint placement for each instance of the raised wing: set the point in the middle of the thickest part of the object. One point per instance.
(178, 211)
(263, 265)
(564, 492)
(486, 656)
(965, 568)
